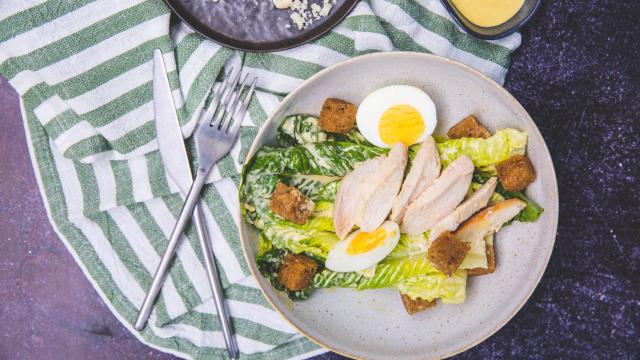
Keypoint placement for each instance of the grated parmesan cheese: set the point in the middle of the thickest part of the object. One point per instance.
(301, 16)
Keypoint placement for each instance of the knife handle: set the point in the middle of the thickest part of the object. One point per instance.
(214, 281)
(161, 272)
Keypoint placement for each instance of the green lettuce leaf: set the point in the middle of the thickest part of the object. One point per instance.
(405, 261)
(303, 129)
(264, 245)
(327, 158)
(451, 290)
(485, 153)
(316, 237)
(323, 209)
(300, 129)
(388, 273)
(316, 187)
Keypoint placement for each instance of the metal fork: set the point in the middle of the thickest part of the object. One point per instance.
(214, 139)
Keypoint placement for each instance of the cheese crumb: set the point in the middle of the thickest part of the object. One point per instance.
(300, 15)
(282, 4)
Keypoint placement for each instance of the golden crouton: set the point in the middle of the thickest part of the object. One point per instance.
(491, 263)
(337, 116)
(516, 173)
(296, 272)
(414, 306)
(447, 252)
(468, 127)
(291, 204)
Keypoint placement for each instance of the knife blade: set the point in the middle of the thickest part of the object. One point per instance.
(174, 157)
(170, 142)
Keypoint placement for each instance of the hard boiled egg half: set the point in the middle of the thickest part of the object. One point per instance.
(397, 113)
(361, 250)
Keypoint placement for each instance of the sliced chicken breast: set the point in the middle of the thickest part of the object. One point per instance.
(388, 180)
(479, 199)
(351, 195)
(478, 231)
(425, 168)
(430, 172)
(440, 199)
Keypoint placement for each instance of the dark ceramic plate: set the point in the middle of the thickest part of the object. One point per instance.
(523, 16)
(253, 25)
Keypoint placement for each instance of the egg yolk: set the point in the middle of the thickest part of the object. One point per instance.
(401, 123)
(364, 242)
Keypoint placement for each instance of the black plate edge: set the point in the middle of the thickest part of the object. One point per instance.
(190, 21)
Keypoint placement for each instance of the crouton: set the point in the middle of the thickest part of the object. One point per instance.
(468, 127)
(491, 262)
(447, 252)
(413, 306)
(516, 173)
(297, 271)
(291, 204)
(337, 116)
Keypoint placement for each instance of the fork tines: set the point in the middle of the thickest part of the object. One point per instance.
(225, 109)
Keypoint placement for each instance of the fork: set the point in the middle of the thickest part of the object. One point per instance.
(214, 137)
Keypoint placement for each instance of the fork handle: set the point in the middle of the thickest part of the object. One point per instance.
(214, 281)
(161, 271)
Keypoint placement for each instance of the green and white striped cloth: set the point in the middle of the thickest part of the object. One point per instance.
(83, 70)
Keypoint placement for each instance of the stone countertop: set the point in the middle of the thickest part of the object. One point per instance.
(578, 75)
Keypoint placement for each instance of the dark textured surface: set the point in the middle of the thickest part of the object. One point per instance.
(577, 73)
(248, 24)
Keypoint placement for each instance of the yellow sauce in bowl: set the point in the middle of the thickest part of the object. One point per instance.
(488, 13)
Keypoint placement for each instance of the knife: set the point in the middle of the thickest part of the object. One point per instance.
(174, 158)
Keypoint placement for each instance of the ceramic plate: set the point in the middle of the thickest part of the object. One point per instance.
(253, 25)
(373, 324)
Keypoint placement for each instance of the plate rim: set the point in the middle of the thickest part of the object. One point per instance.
(391, 54)
(332, 22)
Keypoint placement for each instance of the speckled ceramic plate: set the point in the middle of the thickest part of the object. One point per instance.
(373, 324)
(253, 25)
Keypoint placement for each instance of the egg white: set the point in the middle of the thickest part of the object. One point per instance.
(377, 102)
(339, 260)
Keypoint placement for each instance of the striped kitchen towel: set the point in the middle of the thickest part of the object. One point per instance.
(83, 70)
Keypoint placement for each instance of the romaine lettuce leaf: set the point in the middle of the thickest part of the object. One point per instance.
(451, 290)
(316, 237)
(300, 129)
(316, 187)
(323, 209)
(405, 261)
(485, 153)
(303, 129)
(327, 158)
(388, 273)
(264, 245)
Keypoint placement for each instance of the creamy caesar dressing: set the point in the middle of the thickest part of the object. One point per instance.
(488, 13)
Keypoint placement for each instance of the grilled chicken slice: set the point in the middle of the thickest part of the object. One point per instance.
(388, 180)
(351, 195)
(425, 168)
(479, 199)
(431, 170)
(440, 199)
(479, 229)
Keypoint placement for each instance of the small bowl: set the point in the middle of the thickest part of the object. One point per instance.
(523, 16)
